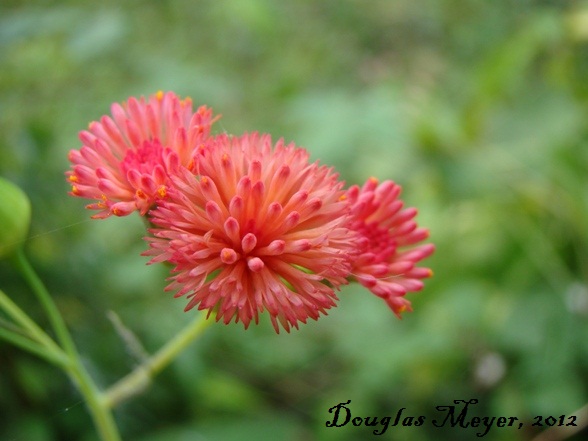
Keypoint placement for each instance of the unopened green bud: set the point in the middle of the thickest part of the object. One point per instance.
(15, 217)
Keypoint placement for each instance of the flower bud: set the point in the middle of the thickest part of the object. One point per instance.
(15, 217)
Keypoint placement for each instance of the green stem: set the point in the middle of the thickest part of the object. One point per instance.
(95, 400)
(27, 271)
(140, 378)
(101, 414)
(28, 325)
(19, 340)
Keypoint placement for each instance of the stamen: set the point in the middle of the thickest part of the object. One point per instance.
(229, 256)
(248, 243)
(232, 229)
(214, 212)
(255, 264)
(292, 220)
(275, 248)
(226, 161)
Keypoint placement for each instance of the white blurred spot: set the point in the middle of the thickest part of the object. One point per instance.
(490, 369)
(576, 299)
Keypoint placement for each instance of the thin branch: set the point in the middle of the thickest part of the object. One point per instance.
(27, 326)
(55, 318)
(132, 342)
(19, 340)
(140, 378)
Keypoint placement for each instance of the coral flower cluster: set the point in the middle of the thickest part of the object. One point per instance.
(123, 163)
(385, 265)
(271, 224)
(250, 225)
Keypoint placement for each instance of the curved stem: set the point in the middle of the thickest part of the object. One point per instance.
(95, 402)
(27, 324)
(29, 274)
(19, 340)
(101, 414)
(140, 378)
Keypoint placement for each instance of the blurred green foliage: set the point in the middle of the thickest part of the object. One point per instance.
(477, 108)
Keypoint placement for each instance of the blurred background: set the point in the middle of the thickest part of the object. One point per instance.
(477, 108)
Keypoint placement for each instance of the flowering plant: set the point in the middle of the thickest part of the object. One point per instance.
(249, 225)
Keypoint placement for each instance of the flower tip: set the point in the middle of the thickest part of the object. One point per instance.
(228, 256)
(428, 249)
(162, 191)
(255, 264)
(159, 95)
(225, 160)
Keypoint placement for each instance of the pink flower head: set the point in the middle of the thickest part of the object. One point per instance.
(258, 228)
(123, 163)
(385, 266)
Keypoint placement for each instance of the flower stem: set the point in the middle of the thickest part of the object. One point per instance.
(19, 340)
(29, 327)
(95, 400)
(140, 378)
(29, 274)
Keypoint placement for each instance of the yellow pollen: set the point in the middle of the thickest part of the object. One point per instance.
(116, 211)
(401, 309)
(226, 254)
(162, 191)
(159, 95)
(140, 194)
(342, 197)
(75, 190)
(430, 273)
(373, 180)
(73, 178)
(204, 180)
